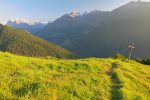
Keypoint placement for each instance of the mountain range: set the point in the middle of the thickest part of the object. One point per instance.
(32, 27)
(97, 33)
(103, 33)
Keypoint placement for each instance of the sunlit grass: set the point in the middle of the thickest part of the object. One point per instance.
(83, 79)
(135, 79)
(49, 78)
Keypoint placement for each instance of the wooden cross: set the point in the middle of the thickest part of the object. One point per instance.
(131, 46)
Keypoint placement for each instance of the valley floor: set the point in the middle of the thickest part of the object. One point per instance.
(83, 79)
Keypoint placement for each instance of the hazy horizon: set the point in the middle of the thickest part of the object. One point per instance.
(50, 10)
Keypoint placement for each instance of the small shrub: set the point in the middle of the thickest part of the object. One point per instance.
(146, 61)
(138, 60)
(119, 56)
(143, 61)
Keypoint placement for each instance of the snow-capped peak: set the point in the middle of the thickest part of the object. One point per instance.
(20, 21)
(73, 14)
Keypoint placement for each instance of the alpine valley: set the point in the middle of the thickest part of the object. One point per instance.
(103, 33)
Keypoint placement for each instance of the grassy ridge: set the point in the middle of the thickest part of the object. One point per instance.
(82, 79)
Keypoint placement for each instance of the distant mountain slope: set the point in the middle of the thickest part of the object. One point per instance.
(102, 34)
(31, 27)
(23, 43)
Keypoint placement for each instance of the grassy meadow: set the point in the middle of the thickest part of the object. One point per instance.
(27, 78)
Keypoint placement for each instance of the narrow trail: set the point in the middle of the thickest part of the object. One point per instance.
(116, 83)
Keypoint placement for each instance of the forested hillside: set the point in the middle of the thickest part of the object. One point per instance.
(22, 42)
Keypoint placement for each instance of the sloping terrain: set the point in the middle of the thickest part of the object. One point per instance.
(83, 79)
(23, 43)
(103, 34)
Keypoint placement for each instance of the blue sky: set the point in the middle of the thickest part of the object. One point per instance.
(48, 10)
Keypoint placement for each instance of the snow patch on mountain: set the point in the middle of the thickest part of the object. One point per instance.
(20, 21)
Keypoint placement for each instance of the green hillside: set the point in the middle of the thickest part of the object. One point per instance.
(23, 43)
(26, 78)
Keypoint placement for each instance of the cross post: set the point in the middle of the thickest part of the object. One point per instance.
(131, 47)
